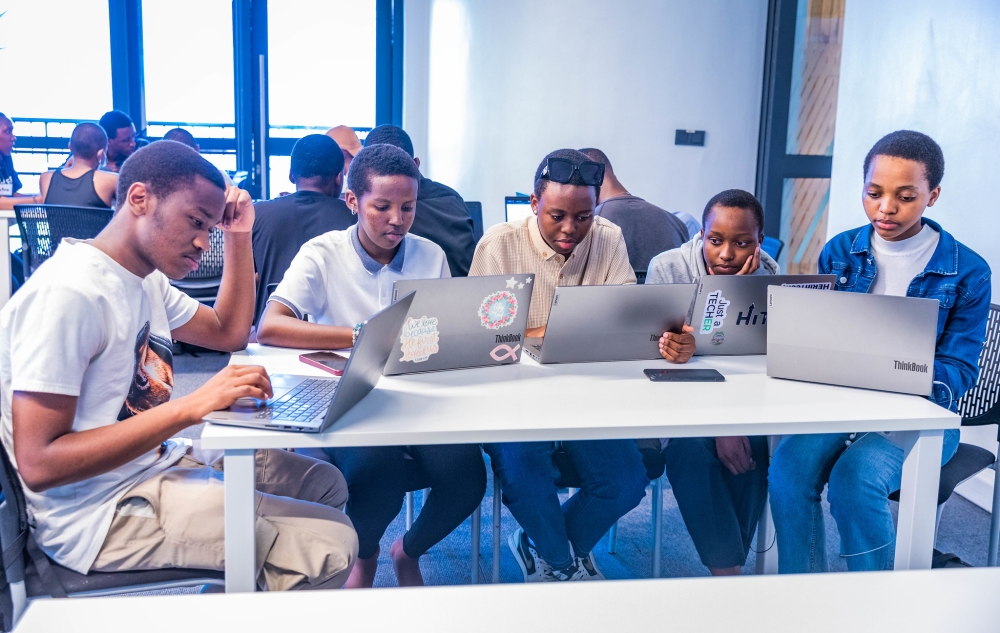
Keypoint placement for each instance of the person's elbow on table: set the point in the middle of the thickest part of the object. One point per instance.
(678, 347)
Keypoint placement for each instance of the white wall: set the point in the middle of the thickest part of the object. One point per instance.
(491, 87)
(933, 67)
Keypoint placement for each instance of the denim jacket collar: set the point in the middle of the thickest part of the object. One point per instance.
(944, 261)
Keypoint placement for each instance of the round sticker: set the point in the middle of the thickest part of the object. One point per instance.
(498, 310)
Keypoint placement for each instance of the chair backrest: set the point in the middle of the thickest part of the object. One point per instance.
(13, 522)
(979, 405)
(640, 276)
(772, 246)
(476, 211)
(43, 226)
(211, 260)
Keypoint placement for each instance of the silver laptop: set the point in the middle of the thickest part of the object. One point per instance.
(461, 322)
(606, 323)
(310, 404)
(729, 314)
(852, 339)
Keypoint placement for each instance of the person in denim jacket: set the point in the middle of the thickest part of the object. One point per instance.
(898, 253)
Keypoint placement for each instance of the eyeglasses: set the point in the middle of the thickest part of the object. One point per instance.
(561, 170)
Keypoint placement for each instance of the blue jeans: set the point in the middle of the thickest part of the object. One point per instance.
(612, 482)
(861, 478)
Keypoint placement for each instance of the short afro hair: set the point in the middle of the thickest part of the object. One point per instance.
(390, 135)
(379, 160)
(165, 167)
(738, 199)
(914, 146)
(574, 156)
(87, 140)
(316, 155)
(114, 121)
(181, 135)
(597, 156)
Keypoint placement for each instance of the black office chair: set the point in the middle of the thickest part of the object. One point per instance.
(640, 276)
(978, 407)
(43, 226)
(29, 573)
(476, 211)
(203, 284)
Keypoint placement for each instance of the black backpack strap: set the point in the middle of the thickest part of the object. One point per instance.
(44, 568)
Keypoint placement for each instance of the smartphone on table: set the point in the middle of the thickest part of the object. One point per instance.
(327, 361)
(684, 375)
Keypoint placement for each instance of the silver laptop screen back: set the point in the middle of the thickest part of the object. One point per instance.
(852, 339)
(609, 323)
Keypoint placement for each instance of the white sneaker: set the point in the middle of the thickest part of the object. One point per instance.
(533, 566)
(589, 565)
(575, 572)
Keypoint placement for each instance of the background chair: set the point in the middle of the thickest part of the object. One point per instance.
(978, 407)
(772, 246)
(203, 284)
(43, 226)
(29, 573)
(476, 211)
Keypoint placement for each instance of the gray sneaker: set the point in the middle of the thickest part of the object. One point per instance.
(533, 566)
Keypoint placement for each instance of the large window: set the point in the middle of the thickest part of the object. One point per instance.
(55, 64)
(321, 71)
(188, 64)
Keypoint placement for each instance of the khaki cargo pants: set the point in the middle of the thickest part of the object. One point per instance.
(176, 519)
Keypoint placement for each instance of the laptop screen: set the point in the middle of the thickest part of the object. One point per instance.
(517, 207)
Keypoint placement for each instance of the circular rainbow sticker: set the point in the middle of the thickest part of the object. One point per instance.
(498, 310)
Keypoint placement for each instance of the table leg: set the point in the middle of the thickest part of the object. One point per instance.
(240, 519)
(767, 543)
(918, 499)
(5, 287)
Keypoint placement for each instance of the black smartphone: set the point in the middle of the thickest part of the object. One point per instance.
(684, 375)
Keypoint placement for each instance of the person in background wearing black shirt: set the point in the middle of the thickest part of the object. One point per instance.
(121, 138)
(284, 224)
(82, 184)
(441, 215)
(10, 184)
(648, 229)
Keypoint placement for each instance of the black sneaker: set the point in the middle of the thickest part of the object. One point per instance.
(534, 568)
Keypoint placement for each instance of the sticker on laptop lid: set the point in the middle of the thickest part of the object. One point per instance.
(419, 339)
(716, 307)
(503, 352)
(498, 310)
(719, 338)
(823, 285)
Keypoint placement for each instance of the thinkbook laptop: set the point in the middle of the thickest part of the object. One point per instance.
(852, 339)
(310, 404)
(606, 323)
(461, 322)
(730, 313)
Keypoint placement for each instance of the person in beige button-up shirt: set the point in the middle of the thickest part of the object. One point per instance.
(563, 244)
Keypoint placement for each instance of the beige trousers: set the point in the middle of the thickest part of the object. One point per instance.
(176, 519)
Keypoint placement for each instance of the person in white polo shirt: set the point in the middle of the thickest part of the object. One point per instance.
(337, 281)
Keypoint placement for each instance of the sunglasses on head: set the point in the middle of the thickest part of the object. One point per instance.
(561, 170)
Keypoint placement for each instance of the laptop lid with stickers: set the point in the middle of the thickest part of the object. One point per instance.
(730, 314)
(461, 322)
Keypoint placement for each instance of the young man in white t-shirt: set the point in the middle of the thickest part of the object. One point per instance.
(86, 377)
(338, 280)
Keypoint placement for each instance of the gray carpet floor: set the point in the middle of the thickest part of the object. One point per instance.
(964, 528)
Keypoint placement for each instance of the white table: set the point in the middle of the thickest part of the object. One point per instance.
(7, 219)
(532, 402)
(914, 601)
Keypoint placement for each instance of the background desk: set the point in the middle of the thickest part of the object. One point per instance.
(532, 402)
(913, 601)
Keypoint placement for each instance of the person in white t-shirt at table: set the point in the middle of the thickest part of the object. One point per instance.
(86, 374)
(336, 282)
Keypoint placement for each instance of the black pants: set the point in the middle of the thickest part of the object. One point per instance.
(379, 477)
(720, 509)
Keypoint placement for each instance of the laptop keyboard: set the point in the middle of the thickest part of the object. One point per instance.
(307, 401)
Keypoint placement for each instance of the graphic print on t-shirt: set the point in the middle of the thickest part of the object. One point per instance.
(153, 377)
